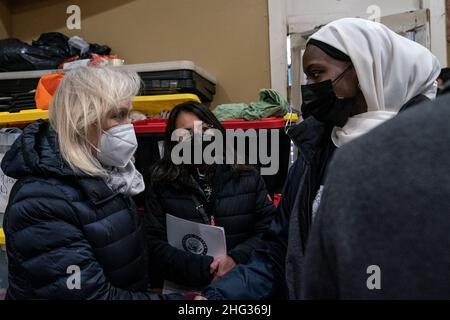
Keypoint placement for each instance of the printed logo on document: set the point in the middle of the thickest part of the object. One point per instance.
(194, 244)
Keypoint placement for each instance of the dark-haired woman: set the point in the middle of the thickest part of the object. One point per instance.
(227, 195)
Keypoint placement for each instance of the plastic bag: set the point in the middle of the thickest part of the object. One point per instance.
(16, 55)
(100, 49)
(80, 44)
(55, 45)
(47, 52)
(58, 45)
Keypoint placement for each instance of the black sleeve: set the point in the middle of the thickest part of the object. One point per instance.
(264, 212)
(56, 245)
(173, 264)
(263, 277)
(317, 277)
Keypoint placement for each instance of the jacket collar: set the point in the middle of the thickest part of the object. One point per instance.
(36, 153)
(309, 136)
(222, 173)
(414, 101)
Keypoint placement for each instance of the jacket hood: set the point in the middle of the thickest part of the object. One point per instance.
(36, 152)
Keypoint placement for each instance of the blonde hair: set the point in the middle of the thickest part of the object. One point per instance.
(83, 100)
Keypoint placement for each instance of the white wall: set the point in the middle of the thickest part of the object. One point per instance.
(304, 15)
(438, 29)
(277, 38)
(345, 8)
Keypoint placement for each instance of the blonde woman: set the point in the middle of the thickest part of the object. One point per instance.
(71, 227)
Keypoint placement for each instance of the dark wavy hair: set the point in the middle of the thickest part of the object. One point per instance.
(165, 171)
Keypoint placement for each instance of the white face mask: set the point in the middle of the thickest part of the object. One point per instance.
(117, 146)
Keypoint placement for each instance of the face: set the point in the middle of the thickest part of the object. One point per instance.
(113, 119)
(319, 66)
(118, 117)
(186, 120)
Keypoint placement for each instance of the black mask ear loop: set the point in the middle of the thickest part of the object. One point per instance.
(342, 75)
(339, 77)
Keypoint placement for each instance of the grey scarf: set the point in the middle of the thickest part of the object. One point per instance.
(127, 181)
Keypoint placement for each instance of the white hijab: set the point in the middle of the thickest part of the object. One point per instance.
(391, 70)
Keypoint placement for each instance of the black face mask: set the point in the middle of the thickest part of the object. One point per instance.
(321, 102)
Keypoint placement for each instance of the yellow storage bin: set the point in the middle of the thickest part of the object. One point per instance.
(153, 105)
(3, 266)
(23, 116)
(148, 105)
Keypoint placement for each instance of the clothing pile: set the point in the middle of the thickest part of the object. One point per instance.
(271, 103)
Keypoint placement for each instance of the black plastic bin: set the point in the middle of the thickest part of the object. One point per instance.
(158, 78)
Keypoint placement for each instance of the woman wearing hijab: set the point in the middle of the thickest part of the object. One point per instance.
(360, 75)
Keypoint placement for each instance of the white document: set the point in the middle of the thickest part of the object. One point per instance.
(196, 238)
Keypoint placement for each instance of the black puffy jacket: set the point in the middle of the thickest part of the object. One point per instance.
(242, 207)
(57, 222)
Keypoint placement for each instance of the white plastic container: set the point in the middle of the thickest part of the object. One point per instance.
(79, 43)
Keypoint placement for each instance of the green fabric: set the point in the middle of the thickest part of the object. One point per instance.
(271, 104)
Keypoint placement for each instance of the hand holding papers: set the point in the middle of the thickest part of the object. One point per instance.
(196, 238)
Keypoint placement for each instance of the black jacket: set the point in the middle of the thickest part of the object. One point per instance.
(395, 217)
(264, 276)
(58, 221)
(241, 207)
(274, 272)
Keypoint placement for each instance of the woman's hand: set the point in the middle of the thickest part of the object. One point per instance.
(220, 266)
